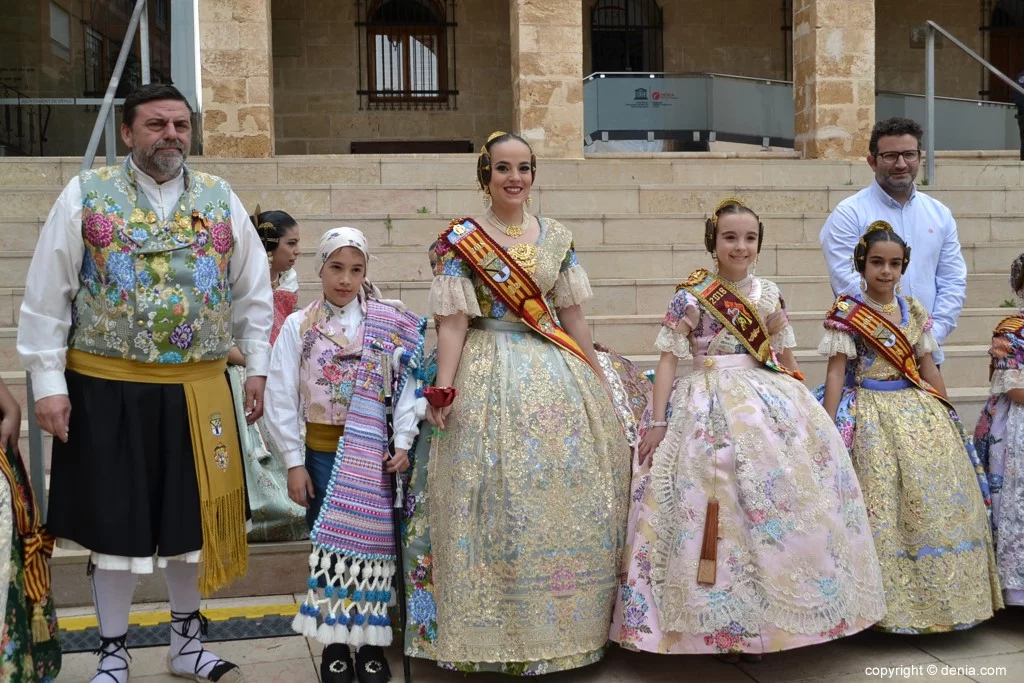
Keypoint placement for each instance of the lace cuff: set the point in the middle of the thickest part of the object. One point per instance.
(450, 294)
(783, 339)
(571, 288)
(926, 344)
(1005, 380)
(834, 341)
(673, 342)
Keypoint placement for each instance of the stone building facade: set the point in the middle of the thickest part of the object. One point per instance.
(307, 76)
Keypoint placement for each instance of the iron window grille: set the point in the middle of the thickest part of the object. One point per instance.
(406, 54)
(626, 35)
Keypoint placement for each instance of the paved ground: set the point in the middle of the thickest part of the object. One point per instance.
(991, 652)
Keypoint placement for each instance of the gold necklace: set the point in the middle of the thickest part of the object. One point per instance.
(509, 229)
(889, 309)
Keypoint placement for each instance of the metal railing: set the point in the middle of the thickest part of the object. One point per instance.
(932, 29)
(23, 122)
(105, 117)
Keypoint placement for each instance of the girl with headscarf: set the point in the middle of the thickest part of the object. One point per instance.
(332, 366)
(999, 441)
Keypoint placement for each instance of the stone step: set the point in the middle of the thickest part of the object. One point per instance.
(274, 569)
(612, 297)
(780, 168)
(636, 334)
(33, 201)
(601, 261)
(419, 230)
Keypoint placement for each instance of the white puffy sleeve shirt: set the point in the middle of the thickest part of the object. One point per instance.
(284, 414)
(52, 284)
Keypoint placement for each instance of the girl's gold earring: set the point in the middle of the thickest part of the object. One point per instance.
(529, 200)
(753, 266)
(486, 197)
(899, 288)
(863, 284)
(714, 259)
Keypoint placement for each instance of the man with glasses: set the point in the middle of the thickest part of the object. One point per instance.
(937, 275)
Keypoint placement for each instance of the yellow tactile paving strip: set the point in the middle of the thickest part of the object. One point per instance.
(164, 617)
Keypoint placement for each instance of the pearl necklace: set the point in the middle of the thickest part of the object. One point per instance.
(890, 308)
(509, 229)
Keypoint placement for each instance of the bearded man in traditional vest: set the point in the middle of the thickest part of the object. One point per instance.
(143, 277)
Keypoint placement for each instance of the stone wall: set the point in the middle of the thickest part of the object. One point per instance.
(834, 77)
(238, 116)
(316, 76)
(901, 65)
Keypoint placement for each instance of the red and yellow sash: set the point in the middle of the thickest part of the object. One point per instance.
(884, 337)
(37, 543)
(736, 314)
(512, 285)
(1012, 326)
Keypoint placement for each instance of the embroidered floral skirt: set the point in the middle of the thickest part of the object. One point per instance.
(516, 515)
(925, 495)
(795, 561)
(999, 440)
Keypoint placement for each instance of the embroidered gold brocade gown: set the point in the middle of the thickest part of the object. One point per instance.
(922, 492)
(527, 487)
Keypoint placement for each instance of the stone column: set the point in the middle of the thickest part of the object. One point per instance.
(234, 51)
(547, 75)
(833, 77)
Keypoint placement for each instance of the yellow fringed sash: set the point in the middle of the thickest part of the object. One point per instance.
(215, 444)
(323, 438)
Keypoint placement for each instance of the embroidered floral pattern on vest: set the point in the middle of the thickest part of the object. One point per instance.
(328, 364)
(150, 290)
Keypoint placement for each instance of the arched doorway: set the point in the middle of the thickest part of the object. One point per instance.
(626, 35)
(1006, 46)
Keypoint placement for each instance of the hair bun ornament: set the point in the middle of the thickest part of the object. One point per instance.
(493, 136)
(878, 225)
(255, 217)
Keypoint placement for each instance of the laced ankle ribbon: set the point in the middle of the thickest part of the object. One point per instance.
(217, 666)
(119, 642)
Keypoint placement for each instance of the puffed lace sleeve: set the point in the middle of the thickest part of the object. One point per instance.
(838, 338)
(779, 328)
(1007, 354)
(572, 286)
(927, 343)
(680, 319)
(451, 290)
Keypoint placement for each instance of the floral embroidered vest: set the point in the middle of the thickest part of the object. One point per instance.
(328, 364)
(152, 291)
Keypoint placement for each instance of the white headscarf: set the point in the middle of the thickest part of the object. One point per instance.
(335, 239)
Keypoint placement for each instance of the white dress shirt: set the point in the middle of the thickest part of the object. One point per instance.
(937, 274)
(53, 282)
(285, 416)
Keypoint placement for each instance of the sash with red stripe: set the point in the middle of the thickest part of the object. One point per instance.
(36, 541)
(730, 308)
(1012, 326)
(884, 337)
(510, 284)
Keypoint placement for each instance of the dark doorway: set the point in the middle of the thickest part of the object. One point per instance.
(1006, 46)
(626, 35)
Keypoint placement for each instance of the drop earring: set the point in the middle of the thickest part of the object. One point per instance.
(863, 284)
(714, 259)
(486, 198)
(753, 266)
(898, 289)
(529, 200)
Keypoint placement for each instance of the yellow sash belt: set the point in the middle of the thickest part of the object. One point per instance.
(215, 445)
(323, 438)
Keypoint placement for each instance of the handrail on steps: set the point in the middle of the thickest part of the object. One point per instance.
(140, 17)
(929, 88)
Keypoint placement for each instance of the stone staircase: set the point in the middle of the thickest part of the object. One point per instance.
(638, 226)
